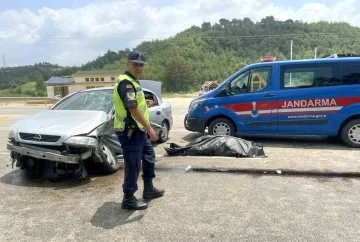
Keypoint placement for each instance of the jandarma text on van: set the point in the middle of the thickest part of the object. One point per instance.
(309, 103)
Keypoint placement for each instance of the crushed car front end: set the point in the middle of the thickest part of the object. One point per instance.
(72, 151)
(60, 140)
(52, 150)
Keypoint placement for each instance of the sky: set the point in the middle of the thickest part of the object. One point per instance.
(74, 32)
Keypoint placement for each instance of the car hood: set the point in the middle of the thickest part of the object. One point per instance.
(64, 123)
(154, 86)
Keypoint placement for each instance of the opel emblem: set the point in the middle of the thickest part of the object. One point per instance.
(37, 137)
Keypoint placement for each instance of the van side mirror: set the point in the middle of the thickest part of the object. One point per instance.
(227, 88)
(225, 91)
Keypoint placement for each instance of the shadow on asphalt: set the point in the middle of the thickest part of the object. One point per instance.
(300, 142)
(111, 215)
(18, 177)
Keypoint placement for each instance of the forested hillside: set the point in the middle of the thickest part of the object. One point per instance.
(13, 78)
(213, 52)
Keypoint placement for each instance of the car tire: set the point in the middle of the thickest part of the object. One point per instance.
(164, 137)
(347, 133)
(223, 126)
(109, 162)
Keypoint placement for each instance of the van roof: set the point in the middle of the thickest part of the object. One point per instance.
(302, 61)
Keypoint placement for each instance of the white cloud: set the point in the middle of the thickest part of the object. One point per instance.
(76, 36)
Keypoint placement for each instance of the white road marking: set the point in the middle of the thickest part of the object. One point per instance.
(186, 157)
(224, 157)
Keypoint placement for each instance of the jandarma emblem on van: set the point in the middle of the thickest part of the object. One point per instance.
(309, 103)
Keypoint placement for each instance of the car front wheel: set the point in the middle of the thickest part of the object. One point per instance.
(109, 162)
(164, 134)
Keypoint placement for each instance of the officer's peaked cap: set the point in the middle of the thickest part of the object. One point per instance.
(137, 56)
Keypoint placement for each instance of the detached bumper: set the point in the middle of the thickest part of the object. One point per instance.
(48, 155)
(195, 124)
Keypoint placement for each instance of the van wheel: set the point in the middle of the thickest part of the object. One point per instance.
(185, 121)
(221, 126)
(350, 133)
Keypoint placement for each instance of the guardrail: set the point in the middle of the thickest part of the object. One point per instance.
(28, 100)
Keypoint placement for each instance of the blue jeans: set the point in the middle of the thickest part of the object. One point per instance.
(135, 149)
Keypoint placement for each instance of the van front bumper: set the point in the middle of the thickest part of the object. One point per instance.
(195, 124)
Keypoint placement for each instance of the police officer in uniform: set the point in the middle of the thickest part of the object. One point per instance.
(132, 127)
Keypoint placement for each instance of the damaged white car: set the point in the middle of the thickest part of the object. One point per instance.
(77, 129)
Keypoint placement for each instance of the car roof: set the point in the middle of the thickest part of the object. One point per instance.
(107, 88)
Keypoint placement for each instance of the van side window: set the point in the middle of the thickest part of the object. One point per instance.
(310, 75)
(253, 80)
(351, 74)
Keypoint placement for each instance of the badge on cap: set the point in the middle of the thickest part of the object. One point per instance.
(139, 57)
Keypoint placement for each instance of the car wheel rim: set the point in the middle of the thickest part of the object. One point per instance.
(354, 134)
(164, 132)
(221, 129)
(109, 157)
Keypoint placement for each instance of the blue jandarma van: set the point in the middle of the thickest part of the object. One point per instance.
(299, 97)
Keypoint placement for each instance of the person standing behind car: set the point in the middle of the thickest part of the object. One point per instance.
(132, 127)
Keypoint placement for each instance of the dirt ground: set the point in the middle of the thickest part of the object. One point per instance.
(179, 102)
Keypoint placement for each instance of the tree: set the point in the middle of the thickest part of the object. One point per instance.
(178, 75)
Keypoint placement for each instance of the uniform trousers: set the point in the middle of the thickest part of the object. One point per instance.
(136, 149)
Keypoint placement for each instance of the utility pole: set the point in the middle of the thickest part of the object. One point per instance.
(291, 57)
(4, 63)
(315, 52)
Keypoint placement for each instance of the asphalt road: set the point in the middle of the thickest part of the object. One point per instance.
(197, 206)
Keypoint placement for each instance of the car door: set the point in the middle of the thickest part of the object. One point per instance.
(253, 98)
(156, 112)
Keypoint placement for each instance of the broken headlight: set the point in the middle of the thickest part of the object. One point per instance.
(11, 135)
(82, 141)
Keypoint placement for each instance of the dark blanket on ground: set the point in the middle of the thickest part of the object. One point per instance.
(212, 145)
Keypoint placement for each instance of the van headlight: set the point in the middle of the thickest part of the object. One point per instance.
(195, 104)
(82, 141)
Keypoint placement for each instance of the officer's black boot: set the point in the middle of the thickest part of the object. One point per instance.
(130, 202)
(150, 191)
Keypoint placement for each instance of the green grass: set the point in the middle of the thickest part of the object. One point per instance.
(29, 86)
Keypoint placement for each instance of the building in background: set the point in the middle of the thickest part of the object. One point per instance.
(82, 80)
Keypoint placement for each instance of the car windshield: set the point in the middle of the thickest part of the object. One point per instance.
(97, 100)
